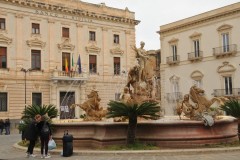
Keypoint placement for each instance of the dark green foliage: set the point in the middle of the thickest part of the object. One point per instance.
(32, 110)
(147, 110)
(232, 107)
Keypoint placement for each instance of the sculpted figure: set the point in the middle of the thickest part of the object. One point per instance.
(125, 96)
(186, 108)
(142, 57)
(92, 108)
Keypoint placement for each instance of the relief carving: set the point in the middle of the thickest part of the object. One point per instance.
(93, 48)
(117, 50)
(5, 40)
(66, 45)
(36, 43)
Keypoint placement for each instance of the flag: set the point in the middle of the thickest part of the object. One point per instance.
(66, 65)
(79, 64)
(72, 63)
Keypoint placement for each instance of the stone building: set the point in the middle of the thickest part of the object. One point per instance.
(41, 42)
(201, 50)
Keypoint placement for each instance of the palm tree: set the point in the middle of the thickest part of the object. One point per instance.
(147, 110)
(232, 107)
(32, 110)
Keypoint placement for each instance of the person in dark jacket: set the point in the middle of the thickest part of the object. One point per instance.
(7, 126)
(44, 136)
(31, 134)
(1, 126)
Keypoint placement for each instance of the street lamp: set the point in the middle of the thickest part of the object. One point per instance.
(25, 79)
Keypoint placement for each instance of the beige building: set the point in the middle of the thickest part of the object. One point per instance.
(201, 50)
(41, 42)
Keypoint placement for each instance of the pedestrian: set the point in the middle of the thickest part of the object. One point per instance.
(31, 134)
(1, 126)
(45, 135)
(7, 126)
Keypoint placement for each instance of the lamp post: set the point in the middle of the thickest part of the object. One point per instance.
(25, 79)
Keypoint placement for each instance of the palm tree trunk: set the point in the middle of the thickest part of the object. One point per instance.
(132, 125)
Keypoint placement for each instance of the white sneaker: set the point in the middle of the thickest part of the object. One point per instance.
(32, 155)
(42, 156)
(48, 156)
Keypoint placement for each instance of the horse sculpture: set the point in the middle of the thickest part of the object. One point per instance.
(201, 110)
(91, 106)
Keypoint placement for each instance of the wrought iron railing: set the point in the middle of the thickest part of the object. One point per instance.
(235, 92)
(174, 96)
(197, 55)
(173, 59)
(225, 50)
(70, 75)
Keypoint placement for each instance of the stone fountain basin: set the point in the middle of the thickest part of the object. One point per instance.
(166, 132)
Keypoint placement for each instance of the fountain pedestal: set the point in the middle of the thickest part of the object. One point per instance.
(165, 132)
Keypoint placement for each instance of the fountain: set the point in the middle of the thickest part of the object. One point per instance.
(188, 131)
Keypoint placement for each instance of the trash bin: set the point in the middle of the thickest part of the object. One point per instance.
(67, 144)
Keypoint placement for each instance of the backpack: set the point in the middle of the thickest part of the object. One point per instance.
(45, 131)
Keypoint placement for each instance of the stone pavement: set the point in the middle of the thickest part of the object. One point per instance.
(7, 151)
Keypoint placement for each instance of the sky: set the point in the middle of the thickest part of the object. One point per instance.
(154, 13)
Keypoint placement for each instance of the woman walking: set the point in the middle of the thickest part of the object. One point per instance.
(31, 134)
(7, 126)
(45, 136)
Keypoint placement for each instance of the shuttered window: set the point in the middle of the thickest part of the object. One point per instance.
(35, 28)
(65, 32)
(3, 57)
(36, 59)
(3, 101)
(116, 64)
(2, 23)
(92, 63)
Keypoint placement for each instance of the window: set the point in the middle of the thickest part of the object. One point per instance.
(116, 39)
(92, 36)
(65, 61)
(65, 32)
(36, 60)
(3, 101)
(37, 99)
(174, 52)
(3, 57)
(2, 23)
(92, 63)
(35, 28)
(196, 48)
(225, 42)
(228, 85)
(116, 64)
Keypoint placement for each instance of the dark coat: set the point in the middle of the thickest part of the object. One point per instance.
(31, 132)
(40, 126)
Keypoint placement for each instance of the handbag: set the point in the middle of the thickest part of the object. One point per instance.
(52, 144)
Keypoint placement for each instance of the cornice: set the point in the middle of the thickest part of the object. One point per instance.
(66, 45)
(117, 51)
(224, 27)
(195, 35)
(199, 21)
(5, 40)
(72, 11)
(36, 43)
(93, 48)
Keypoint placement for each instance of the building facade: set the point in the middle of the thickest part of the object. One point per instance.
(202, 50)
(57, 51)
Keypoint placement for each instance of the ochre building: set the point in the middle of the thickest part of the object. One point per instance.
(57, 51)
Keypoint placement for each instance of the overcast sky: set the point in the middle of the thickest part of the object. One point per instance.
(154, 13)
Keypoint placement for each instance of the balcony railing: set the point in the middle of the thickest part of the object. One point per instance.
(234, 92)
(197, 55)
(225, 50)
(174, 96)
(173, 59)
(71, 75)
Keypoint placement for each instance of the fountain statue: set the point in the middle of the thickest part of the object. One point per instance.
(202, 109)
(141, 77)
(92, 108)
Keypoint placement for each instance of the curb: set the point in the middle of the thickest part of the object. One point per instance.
(142, 152)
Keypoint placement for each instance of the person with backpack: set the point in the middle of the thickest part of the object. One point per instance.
(31, 134)
(45, 135)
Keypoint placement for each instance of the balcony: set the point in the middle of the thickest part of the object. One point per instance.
(235, 92)
(173, 60)
(195, 56)
(174, 96)
(68, 76)
(227, 50)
